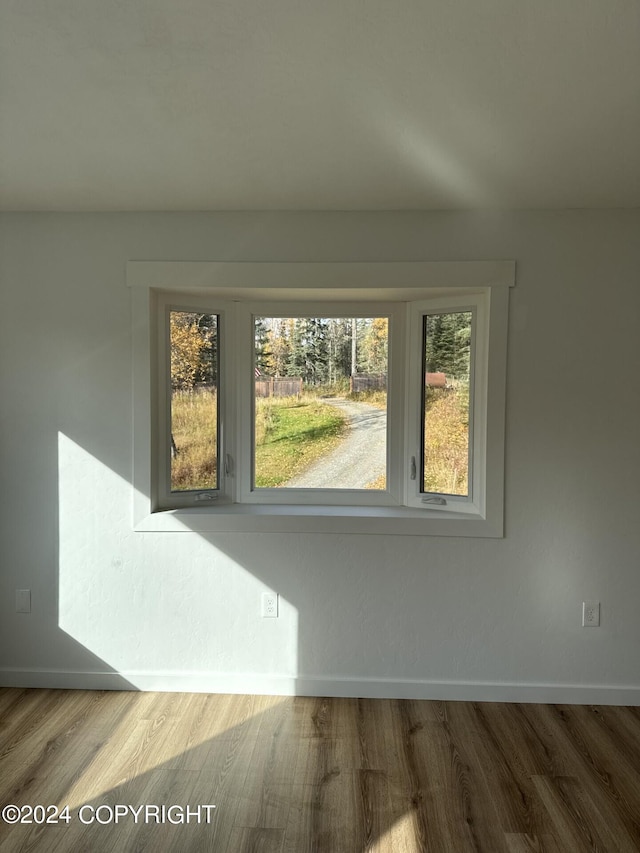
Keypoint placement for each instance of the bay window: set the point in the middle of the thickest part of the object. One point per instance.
(369, 400)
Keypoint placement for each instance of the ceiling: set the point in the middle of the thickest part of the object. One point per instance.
(319, 105)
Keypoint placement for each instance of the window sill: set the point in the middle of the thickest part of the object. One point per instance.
(286, 518)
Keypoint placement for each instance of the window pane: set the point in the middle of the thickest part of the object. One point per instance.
(320, 409)
(194, 400)
(447, 371)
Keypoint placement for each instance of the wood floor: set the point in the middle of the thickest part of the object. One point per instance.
(290, 775)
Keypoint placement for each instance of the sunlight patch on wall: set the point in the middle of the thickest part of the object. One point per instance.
(166, 611)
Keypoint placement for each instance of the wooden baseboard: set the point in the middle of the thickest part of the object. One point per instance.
(204, 682)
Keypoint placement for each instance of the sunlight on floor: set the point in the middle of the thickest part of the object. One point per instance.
(400, 836)
(157, 740)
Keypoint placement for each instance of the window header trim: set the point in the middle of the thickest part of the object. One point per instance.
(388, 280)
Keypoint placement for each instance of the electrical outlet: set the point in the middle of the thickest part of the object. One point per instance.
(23, 601)
(590, 614)
(269, 605)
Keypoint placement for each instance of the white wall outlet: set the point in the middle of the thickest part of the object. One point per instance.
(23, 601)
(590, 614)
(269, 605)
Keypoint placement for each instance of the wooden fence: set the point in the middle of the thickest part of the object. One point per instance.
(368, 382)
(286, 386)
(378, 381)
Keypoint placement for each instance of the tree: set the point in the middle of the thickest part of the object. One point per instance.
(296, 364)
(339, 348)
(208, 327)
(261, 345)
(448, 344)
(316, 351)
(309, 352)
(193, 348)
(279, 348)
(375, 345)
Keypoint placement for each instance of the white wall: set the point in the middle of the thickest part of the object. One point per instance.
(381, 615)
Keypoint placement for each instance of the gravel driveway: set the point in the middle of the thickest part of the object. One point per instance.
(359, 459)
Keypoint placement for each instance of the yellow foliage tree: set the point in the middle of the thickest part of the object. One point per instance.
(375, 345)
(279, 346)
(188, 343)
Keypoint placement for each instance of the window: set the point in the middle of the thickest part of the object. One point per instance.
(320, 402)
(278, 402)
(335, 407)
(193, 409)
(448, 403)
(446, 416)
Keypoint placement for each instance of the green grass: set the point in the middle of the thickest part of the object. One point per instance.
(291, 434)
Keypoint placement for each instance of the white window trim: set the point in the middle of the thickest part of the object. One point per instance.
(338, 283)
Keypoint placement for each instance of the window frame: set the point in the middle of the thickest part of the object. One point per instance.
(219, 288)
(246, 490)
(167, 499)
(474, 502)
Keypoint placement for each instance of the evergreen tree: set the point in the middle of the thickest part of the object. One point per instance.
(208, 329)
(319, 349)
(296, 365)
(261, 345)
(340, 341)
(448, 344)
(316, 345)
